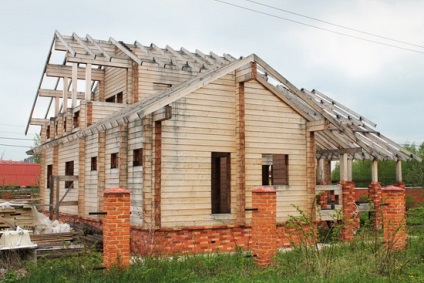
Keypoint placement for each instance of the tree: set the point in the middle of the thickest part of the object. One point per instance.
(413, 171)
(37, 142)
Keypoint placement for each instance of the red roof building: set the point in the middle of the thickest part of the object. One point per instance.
(19, 174)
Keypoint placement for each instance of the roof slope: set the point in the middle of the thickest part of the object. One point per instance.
(345, 130)
(14, 173)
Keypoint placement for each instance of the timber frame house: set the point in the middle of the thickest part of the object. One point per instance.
(189, 134)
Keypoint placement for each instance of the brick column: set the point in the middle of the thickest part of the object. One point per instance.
(264, 232)
(116, 228)
(351, 222)
(394, 217)
(374, 191)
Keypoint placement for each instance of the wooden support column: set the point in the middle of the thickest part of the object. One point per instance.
(311, 172)
(135, 82)
(101, 168)
(102, 91)
(158, 173)
(43, 168)
(374, 171)
(56, 106)
(55, 173)
(147, 172)
(69, 123)
(123, 156)
(65, 94)
(74, 84)
(343, 167)
(81, 176)
(399, 171)
(349, 170)
(320, 171)
(241, 154)
(88, 82)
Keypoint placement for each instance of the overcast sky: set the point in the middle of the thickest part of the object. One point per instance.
(382, 83)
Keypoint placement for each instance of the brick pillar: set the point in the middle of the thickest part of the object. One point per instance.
(394, 217)
(264, 233)
(116, 228)
(400, 185)
(351, 221)
(374, 191)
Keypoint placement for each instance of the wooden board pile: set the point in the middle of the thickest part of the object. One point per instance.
(16, 214)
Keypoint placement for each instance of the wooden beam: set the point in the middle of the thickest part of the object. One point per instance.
(61, 71)
(104, 53)
(58, 93)
(64, 42)
(196, 59)
(340, 151)
(148, 53)
(209, 60)
(100, 61)
(126, 51)
(218, 58)
(180, 57)
(318, 125)
(39, 121)
(343, 167)
(165, 113)
(82, 43)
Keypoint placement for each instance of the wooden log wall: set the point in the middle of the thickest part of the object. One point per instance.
(272, 127)
(202, 122)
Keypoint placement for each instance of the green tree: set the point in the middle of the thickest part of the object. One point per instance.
(37, 142)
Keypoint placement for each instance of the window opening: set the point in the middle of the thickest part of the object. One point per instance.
(275, 169)
(221, 182)
(138, 157)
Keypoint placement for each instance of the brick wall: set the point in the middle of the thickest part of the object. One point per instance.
(394, 217)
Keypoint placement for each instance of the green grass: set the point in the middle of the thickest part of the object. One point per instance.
(365, 259)
(362, 260)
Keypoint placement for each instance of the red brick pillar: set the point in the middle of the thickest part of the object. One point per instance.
(399, 184)
(264, 230)
(374, 191)
(350, 212)
(116, 228)
(394, 217)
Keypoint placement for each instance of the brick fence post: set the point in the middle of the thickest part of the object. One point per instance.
(350, 222)
(264, 229)
(374, 191)
(116, 228)
(394, 217)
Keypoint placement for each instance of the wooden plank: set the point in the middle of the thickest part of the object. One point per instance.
(165, 113)
(126, 51)
(39, 121)
(180, 57)
(59, 93)
(53, 70)
(104, 53)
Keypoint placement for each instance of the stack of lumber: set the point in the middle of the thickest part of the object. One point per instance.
(17, 215)
(56, 239)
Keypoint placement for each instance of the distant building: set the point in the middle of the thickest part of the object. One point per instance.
(19, 174)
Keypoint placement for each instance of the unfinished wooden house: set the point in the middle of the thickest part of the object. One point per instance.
(190, 135)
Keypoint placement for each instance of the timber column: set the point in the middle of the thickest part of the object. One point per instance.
(394, 217)
(264, 230)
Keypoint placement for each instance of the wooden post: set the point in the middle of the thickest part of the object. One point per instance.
(65, 94)
(321, 172)
(74, 84)
(343, 168)
(88, 82)
(374, 171)
(349, 170)
(399, 171)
